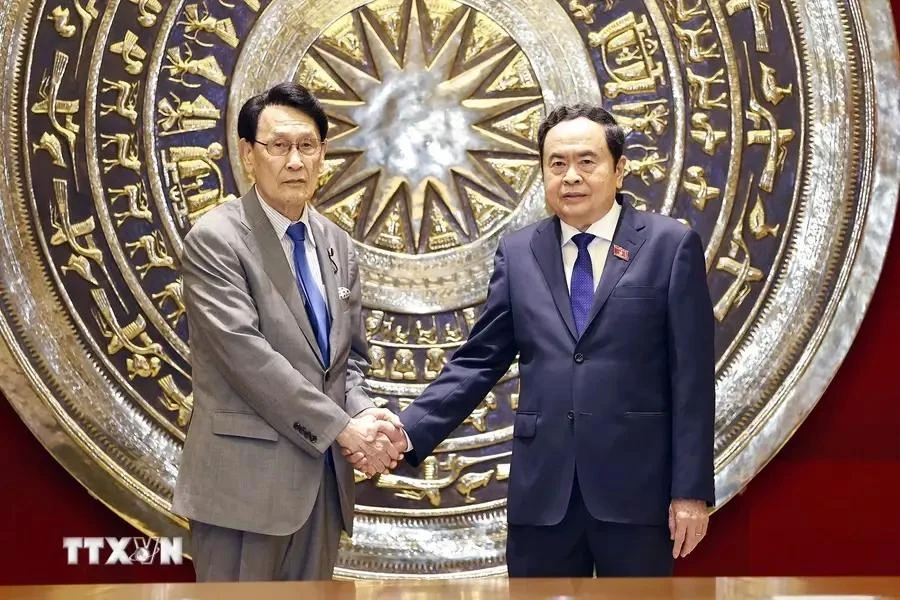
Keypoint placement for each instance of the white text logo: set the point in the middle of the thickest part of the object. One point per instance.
(123, 551)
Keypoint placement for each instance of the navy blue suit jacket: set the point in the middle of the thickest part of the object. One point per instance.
(629, 404)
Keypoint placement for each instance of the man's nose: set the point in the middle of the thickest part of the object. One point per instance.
(294, 159)
(572, 175)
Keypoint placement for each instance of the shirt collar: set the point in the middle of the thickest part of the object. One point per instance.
(280, 223)
(604, 229)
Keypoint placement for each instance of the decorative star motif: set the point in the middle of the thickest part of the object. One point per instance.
(433, 114)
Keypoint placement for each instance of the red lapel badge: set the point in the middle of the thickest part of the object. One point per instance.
(620, 252)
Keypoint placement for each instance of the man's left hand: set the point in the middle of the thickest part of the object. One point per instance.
(688, 521)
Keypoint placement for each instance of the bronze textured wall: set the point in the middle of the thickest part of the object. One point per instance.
(768, 125)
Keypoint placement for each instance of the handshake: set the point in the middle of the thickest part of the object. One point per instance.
(373, 441)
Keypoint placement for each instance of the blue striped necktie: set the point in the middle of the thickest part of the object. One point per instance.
(316, 307)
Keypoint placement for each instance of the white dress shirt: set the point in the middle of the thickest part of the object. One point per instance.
(280, 224)
(603, 231)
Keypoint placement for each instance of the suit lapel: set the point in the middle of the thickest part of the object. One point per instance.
(545, 245)
(275, 264)
(629, 237)
(327, 267)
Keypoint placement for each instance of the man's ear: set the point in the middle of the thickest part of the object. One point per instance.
(246, 152)
(620, 171)
(322, 151)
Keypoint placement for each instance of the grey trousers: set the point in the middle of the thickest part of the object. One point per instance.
(222, 554)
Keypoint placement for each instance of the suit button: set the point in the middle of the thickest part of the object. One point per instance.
(298, 426)
(571, 415)
(314, 438)
(579, 358)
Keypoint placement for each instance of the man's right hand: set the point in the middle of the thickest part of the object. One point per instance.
(371, 438)
(398, 439)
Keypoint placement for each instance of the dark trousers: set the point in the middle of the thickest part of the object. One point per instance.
(581, 546)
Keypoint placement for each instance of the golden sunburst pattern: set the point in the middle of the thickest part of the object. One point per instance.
(433, 113)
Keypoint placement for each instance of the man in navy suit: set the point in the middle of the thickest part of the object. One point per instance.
(609, 312)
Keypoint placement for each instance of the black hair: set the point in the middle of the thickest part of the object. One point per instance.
(289, 94)
(615, 136)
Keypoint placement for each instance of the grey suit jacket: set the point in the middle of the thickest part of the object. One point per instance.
(265, 408)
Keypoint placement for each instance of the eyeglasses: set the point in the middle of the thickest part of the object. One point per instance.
(307, 147)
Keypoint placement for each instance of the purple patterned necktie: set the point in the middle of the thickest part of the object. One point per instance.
(582, 294)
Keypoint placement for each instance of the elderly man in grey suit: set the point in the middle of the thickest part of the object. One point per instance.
(279, 358)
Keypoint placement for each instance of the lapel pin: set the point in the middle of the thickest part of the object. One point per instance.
(343, 293)
(620, 252)
(331, 258)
